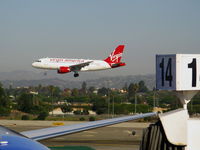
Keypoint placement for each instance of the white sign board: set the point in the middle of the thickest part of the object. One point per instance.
(193, 132)
(180, 72)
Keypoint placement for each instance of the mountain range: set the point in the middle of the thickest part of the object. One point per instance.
(30, 78)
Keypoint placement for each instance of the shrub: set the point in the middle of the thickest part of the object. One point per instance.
(77, 112)
(25, 117)
(42, 115)
(82, 119)
(92, 118)
(85, 112)
(4, 111)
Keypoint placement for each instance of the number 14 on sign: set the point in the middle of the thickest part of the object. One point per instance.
(178, 72)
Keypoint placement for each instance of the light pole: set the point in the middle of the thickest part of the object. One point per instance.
(135, 88)
(108, 93)
(113, 106)
(108, 106)
(154, 99)
(51, 88)
(135, 103)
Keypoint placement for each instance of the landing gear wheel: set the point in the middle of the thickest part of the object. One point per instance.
(76, 75)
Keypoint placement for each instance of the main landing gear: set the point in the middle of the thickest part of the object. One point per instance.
(76, 75)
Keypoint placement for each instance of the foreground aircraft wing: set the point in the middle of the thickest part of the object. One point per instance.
(52, 132)
(78, 67)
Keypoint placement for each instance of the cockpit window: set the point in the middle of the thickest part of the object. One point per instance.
(38, 61)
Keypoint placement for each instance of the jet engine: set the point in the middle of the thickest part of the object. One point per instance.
(118, 65)
(62, 70)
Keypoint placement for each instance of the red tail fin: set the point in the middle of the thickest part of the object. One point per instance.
(115, 56)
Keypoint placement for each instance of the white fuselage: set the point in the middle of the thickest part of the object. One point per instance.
(56, 63)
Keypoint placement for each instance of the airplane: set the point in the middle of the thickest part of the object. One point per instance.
(28, 140)
(65, 65)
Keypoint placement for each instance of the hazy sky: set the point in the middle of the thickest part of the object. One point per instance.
(30, 29)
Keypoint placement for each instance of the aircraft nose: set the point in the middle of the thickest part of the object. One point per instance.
(34, 64)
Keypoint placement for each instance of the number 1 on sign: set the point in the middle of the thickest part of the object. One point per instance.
(193, 65)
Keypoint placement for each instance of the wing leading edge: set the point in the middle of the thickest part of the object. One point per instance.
(52, 132)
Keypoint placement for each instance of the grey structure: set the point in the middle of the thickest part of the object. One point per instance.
(154, 138)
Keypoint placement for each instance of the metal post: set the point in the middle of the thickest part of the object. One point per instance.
(135, 103)
(113, 106)
(108, 103)
(108, 98)
(154, 99)
(108, 106)
(52, 100)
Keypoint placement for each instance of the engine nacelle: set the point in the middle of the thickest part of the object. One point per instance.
(122, 64)
(62, 70)
(118, 65)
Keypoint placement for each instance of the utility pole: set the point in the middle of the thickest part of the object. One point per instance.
(113, 106)
(108, 94)
(108, 105)
(135, 103)
(154, 99)
(135, 88)
(52, 100)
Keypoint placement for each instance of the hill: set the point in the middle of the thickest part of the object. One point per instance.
(28, 78)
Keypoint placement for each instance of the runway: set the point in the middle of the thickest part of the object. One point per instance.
(115, 137)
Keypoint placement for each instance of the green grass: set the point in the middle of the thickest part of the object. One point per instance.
(72, 148)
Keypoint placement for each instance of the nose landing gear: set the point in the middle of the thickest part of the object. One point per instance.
(76, 75)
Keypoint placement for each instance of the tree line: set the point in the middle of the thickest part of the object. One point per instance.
(131, 98)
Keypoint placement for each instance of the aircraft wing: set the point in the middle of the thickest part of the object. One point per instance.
(78, 67)
(41, 134)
